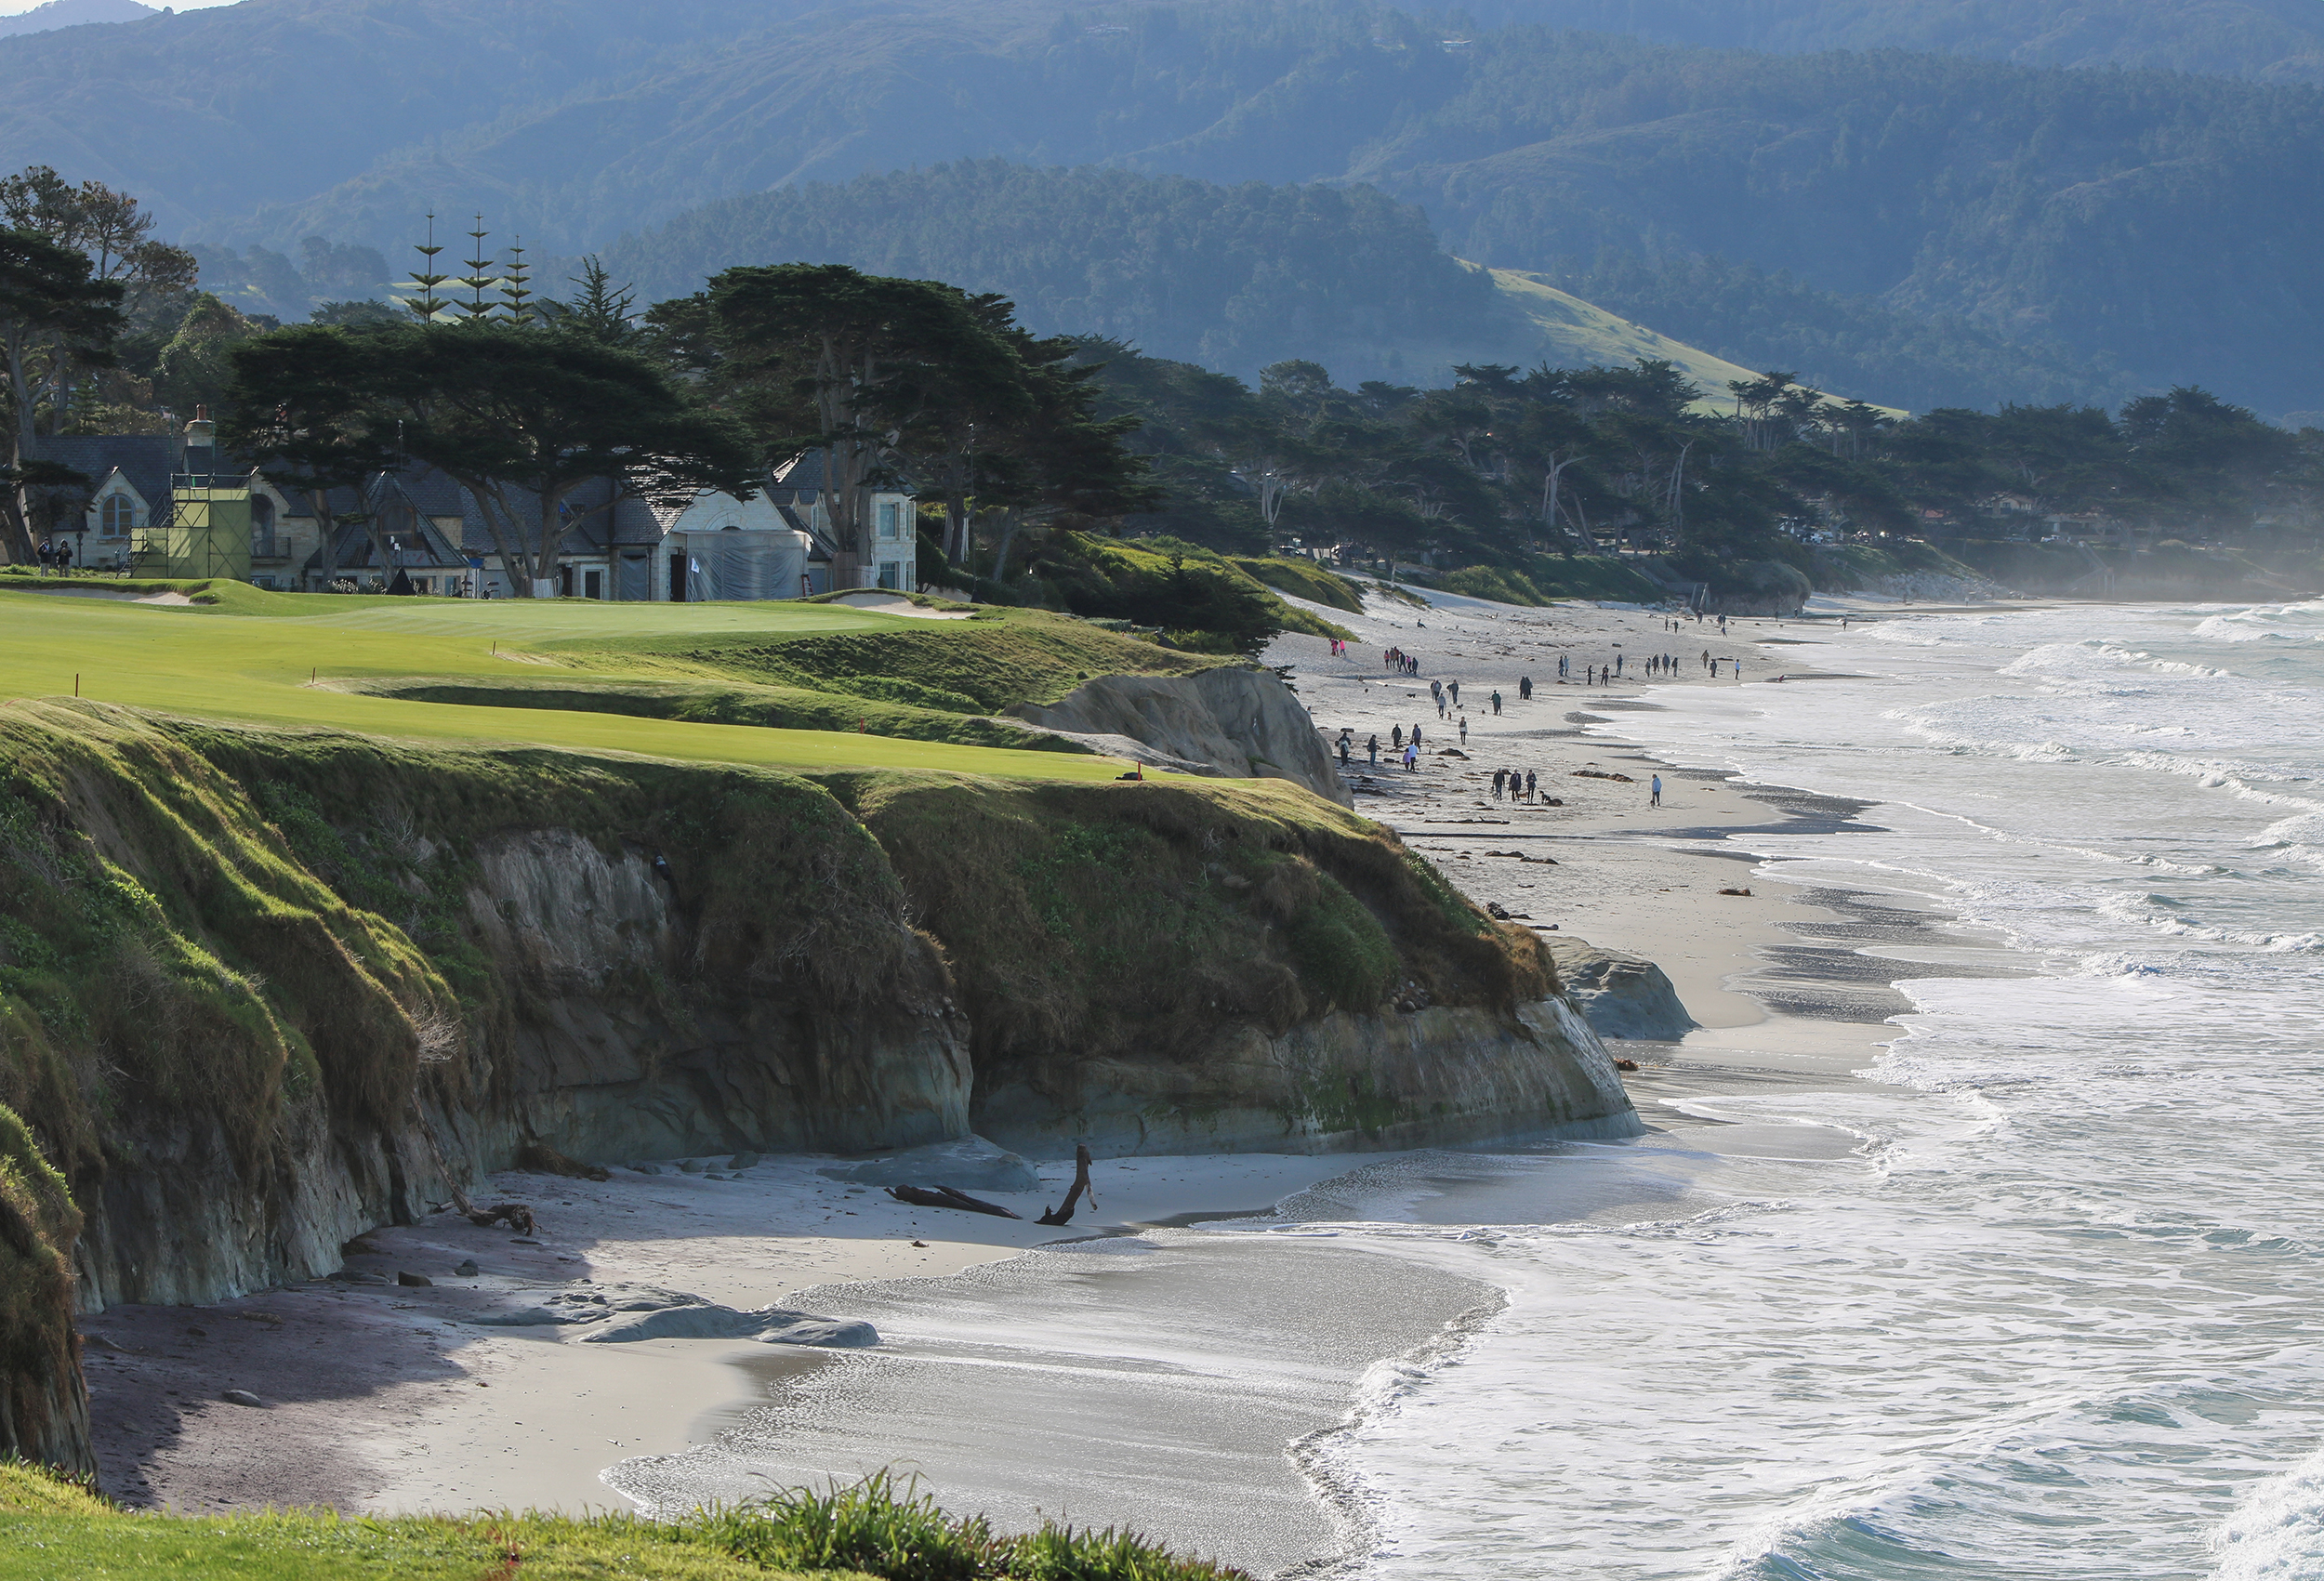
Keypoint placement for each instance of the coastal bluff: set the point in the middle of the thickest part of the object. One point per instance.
(263, 990)
(1231, 721)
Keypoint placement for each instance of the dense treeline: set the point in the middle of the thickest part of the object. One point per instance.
(1519, 470)
(1234, 278)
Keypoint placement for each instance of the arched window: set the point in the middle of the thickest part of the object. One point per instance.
(118, 516)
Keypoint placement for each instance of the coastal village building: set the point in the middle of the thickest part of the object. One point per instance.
(168, 504)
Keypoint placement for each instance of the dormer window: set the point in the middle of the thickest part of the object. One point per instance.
(116, 516)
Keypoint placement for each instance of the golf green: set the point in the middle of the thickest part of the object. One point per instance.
(254, 657)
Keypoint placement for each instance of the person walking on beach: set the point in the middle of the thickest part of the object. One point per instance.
(1455, 694)
(1412, 759)
(1501, 777)
(1464, 730)
(1533, 785)
(1618, 663)
(1395, 736)
(1654, 792)
(1374, 751)
(1497, 703)
(1346, 743)
(1416, 738)
(1525, 688)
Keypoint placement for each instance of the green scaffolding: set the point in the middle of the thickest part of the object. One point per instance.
(203, 533)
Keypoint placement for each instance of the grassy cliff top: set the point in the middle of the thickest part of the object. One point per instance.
(781, 684)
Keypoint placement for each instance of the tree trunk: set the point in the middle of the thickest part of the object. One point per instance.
(327, 552)
(1000, 554)
(19, 522)
(521, 586)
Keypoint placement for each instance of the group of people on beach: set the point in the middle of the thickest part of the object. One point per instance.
(1402, 663)
(1518, 786)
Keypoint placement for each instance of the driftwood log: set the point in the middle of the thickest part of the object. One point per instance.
(944, 1196)
(1081, 1186)
(515, 1215)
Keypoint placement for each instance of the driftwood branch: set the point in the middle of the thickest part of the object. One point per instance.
(944, 1196)
(1081, 1185)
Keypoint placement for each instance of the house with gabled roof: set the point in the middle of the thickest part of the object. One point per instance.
(130, 494)
(891, 537)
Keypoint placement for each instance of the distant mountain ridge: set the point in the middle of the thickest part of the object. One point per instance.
(72, 14)
(2154, 226)
(1237, 277)
(1233, 278)
(2265, 40)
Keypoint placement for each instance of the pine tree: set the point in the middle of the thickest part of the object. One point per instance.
(426, 304)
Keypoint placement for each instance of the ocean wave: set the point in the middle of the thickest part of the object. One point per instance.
(1322, 1459)
(2303, 622)
(2277, 1531)
(2154, 911)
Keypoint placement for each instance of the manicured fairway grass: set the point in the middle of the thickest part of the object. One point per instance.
(251, 657)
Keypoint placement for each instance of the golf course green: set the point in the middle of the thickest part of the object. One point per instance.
(283, 660)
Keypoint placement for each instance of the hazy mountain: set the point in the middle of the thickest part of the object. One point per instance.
(1234, 278)
(1237, 277)
(72, 14)
(2165, 223)
(2272, 40)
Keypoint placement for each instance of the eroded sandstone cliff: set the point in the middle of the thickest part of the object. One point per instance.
(260, 991)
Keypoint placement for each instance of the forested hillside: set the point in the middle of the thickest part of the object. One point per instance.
(1972, 228)
(1234, 278)
(2278, 40)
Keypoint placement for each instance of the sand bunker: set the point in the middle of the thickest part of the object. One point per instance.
(896, 603)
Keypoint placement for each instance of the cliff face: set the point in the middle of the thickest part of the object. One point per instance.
(43, 1402)
(260, 991)
(1229, 721)
(1343, 1082)
(1160, 967)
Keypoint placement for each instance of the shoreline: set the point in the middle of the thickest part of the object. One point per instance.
(426, 1411)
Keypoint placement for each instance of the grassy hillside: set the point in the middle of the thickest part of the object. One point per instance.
(1582, 336)
(50, 1530)
(566, 673)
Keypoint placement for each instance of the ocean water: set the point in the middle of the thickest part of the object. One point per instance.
(2042, 1295)
(2034, 1290)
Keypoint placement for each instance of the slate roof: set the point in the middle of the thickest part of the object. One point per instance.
(147, 460)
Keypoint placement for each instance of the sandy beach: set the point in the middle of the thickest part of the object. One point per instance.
(387, 1396)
